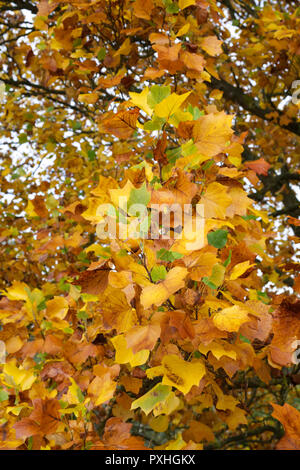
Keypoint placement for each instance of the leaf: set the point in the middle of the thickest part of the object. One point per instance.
(212, 132)
(215, 200)
(290, 419)
(141, 100)
(166, 255)
(139, 196)
(17, 291)
(218, 239)
(231, 318)
(44, 419)
(102, 389)
(240, 269)
(75, 391)
(88, 98)
(217, 277)
(124, 354)
(212, 45)
(142, 337)
(286, 330)
(181, 374)
(157, 294)
(193, 61)
(170, 105)
(122, 124)
(260, 166)
(157, 94)
(218, 350)
(18, 377)
(185, 3)
(3, 395)
(240, 202)
(57, 308)
(158, 273)
(143, 9)
(151, 399)
(93, 281)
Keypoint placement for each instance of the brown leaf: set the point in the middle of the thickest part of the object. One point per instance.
(44, 419)
(290, 419)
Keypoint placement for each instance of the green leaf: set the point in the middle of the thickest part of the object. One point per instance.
(208, 283)
(249, 217)
(207, 165)
(76, 125)
(139, 196)
(263, 297)
(169, 256)
(157, 94)
(244, 339)
(171, 7)
(228, 260)
(154, 124)
(22, 138)
(158, 273)
(3, 395)
(218, 239)
(101, 54)
(82, 315)
(173, 154)
(196, 113)
(91, 155)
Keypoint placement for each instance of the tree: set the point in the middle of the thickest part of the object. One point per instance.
(167, 336)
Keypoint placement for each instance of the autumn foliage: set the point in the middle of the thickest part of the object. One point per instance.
(149, 342)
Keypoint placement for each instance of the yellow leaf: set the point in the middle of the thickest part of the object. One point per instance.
(215, 200)
(124, 49)
(183, 30)
(159, 423)
(231, 318)
(185, 3)
(212, 132)
(88, 98)
(91, 213)
(125, 354)
(30, 209)
(16, 291)
(156, 294)
(140, 100)
(218, 350)
(57, 308)
(121, 196)
(171, 404)
(170, 105)
(180, 116)
(240, 202)
(18, 377)
(177, 444)
(2, 352)
(74, 392)
(2, 91)
(103, 388)
(240, 269)
(13, 345)
(226, 402)
(181, 374)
